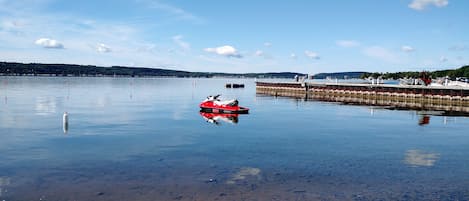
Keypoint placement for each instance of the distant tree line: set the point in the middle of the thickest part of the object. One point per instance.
(7, 68)
(35, 69)
(340, 75)
(460, 72)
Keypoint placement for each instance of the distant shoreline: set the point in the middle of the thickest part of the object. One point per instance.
(117, 76)
(74, 70)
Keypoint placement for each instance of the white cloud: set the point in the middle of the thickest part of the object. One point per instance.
(24, 6)
(103, 48)
(49, 43)
(259, 53)
(267, 44)
(176, 12)
(443, 59)
(407, 48)
(422, 4)
(148, 47)
(458, 48)
(11, 25)
(347, 43)
(380, 53)
(311, 54)
(24, 24)
(293, 56)
(226, 50)
(184, 45)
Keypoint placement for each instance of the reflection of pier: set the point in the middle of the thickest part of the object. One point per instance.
(451, 100)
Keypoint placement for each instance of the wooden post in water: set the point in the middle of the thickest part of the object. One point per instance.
(65, 122)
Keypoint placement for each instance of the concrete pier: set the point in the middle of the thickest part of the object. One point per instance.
(406, 96)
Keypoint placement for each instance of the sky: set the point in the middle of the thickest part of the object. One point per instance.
(239, 36)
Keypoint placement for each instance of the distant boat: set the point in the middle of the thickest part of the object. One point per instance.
(232, 85)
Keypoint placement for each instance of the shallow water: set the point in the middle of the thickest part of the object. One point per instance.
(144, 139)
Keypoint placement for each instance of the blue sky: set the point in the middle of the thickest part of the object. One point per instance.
(239, 36)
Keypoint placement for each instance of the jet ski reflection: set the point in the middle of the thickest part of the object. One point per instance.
(424, 120)
(216, 118)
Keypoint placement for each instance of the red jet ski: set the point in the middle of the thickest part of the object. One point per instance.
(215, 105)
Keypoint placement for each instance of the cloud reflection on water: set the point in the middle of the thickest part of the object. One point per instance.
(4, 181)
(418, 158)
(243, 173)
(45, 105)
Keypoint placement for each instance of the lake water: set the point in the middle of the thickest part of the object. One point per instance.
(144, 139)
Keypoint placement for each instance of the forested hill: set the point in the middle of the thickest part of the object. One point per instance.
(453, 73)
(340, 75)
(35, 69)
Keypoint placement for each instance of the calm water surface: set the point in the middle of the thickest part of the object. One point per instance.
(144, 139)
